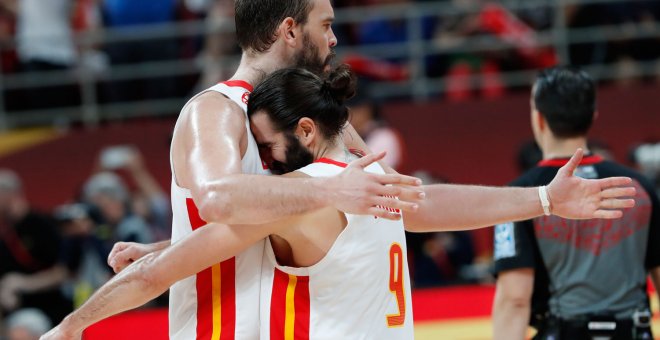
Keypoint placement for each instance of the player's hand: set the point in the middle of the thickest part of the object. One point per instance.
(358, 192)
(578, 198)
(125, 253)
(59, 333)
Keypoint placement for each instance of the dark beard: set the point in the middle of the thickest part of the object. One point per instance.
(310, 59)
(296, 157)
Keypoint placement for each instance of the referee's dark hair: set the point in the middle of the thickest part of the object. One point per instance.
(566, 97)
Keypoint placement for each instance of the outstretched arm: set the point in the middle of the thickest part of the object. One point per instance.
(461, 207)
(206, 155)
(154, 273)
(252, 199)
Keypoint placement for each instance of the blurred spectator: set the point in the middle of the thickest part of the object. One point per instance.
(7, 28)
(29, 249)
(45, 43)
(633, 18)
(92, 228)
(27, 324)
(108, 193)
(382, 30)
(126, 16)
(150, 202)
(377, 134)
(647, 159)
(219, 44)
(529, 155)
(440, 258)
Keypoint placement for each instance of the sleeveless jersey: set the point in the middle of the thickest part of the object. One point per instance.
(359, 290)
(221, 302)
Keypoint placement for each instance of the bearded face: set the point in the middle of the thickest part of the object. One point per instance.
(296, 157)
(309, 57)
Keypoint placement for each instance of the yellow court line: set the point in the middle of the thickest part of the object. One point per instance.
(18, 140)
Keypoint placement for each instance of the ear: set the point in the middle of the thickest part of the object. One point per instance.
(541, 120)
(306, 131)
(289, 31)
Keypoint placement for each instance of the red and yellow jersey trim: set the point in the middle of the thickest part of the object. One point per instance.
(289, 307)
(216, 292)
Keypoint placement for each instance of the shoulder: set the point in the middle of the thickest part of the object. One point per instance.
(215, 103)
(212, 112)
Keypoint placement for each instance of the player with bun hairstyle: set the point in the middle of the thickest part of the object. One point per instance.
(327, 274)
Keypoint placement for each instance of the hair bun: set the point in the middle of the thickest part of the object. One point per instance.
(341, 83)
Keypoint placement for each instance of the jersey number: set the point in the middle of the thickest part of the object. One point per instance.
(396, 286)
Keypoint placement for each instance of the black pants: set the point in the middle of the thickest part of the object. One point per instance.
(574, 330)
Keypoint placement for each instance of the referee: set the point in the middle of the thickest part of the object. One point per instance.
(575, 279)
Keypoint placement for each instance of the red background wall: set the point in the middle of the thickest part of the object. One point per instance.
(471, 142)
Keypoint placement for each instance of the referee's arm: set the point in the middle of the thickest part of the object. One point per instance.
(511, 308)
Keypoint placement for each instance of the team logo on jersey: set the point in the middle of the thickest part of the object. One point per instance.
(505, 244)
(245, 97)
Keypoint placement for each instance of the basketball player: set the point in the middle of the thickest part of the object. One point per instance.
(212, 141)
(319, 265)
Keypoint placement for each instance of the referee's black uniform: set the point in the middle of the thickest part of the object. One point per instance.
(587, 274)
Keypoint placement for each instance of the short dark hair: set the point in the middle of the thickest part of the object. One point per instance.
(566, 97)
(290, 94)
(257, 20)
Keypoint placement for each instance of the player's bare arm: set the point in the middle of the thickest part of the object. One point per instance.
(511, 308)
(211, 163)
(470, 207)
(125, 253)
(247, 199)
(154, 273)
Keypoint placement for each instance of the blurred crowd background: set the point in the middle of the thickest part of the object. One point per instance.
(90, 65)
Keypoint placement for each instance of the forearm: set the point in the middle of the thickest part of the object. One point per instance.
(161, 245)
(511, 308)
(462, 207)
(129, 289)
(253, 199)
(509, 319)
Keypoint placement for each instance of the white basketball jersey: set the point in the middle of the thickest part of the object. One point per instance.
(359, 290)
(221, 302)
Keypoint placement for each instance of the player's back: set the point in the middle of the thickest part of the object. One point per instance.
(220, 302)
(360, 289)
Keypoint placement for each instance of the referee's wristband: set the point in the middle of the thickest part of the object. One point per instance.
(545, 201)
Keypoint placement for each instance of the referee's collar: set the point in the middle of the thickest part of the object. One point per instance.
(559, 162)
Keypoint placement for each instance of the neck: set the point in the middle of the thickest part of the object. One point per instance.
(335, 150)
(563, 148)
(255, 67)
